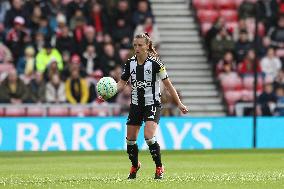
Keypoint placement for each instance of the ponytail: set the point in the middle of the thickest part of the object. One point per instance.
(152, 51)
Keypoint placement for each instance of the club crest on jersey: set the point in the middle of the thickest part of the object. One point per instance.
(148, 71)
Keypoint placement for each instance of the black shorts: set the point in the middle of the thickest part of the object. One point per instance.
(138, 114)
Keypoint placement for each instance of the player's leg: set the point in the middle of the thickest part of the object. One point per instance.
(133, 126)
(152, 119)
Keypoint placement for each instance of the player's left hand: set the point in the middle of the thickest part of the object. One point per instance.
(183, 108)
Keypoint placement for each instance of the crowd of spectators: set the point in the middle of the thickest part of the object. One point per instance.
(55, 51)
(228, 28)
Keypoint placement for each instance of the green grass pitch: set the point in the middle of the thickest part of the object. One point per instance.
(184, 169)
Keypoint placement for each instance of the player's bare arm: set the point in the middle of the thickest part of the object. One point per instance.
(173, 92)
(120, 85)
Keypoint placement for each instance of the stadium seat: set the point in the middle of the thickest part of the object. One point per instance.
(14, 111)
(247, 95)
(2, 112)
(238, 3)
(203, 4)
(232, 26)
(205, 27)
(80, 111)
(6, 67)
(231, 84)
(248, 83)
(57, 111)
(36, 111)
(229, 15)
(232, 97)
(225, 4)
(207, 16)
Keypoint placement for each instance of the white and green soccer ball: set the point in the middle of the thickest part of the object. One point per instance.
(107, 87)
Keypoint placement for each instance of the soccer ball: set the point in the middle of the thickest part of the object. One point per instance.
(107, 87)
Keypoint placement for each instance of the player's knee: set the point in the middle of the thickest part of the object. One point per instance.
(150, 141)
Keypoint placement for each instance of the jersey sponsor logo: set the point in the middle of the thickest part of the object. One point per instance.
(141, 84)
(162, 69)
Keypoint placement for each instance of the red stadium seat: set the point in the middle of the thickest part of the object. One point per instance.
(225, 4)
(231, 26)
(57, 111)
(247, 95)
(207, 16)
(232, 97)
(229, 15)
(6, 67)
(203, 4)
(14, 111)
(2, 112)
(36, 111)
(248, 83)
(80, 111)
(205, 27)
(231, 84)
(238, 3)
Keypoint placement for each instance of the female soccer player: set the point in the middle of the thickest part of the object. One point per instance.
(145, 70)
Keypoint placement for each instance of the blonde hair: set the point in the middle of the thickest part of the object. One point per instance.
(152, 51)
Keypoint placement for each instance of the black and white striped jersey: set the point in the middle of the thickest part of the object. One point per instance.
(145, 80)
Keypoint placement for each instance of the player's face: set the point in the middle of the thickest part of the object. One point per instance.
(140, 46)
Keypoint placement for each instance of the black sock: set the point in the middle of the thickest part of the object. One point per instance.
(132, 151)
(156, 154)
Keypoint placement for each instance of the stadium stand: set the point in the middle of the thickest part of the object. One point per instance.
(233, 22)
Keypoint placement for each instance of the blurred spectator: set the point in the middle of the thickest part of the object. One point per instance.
(13, 90)
(279, 111)
(17, 38)
(99, 19)
(149, 27)
(75, 5)
(17, 10)
(228, 59)
(142, 12)
(267, 100)
(276, 34)
(90, 60)
(36, 88)
(279, 80)
(268, 12)
(76, 88)
(242, 26)
(122, 11)
(4, 7)
(242, 46)
(227, 72)
(38, 41)
(26, 64)
(52, 9)
(60, 24)
(89, 39)
(212, 32)
(44, 28)
(35, 18)
(5, 53)
(109, 59)
(246, 67)
(55, 90)
(246, 9)
(51, 69)
(122, 33)
(44, 57)
(64, 41)
(77, 17)
(75, 63)
(79, 28)
(220, 44)
(270, 64)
